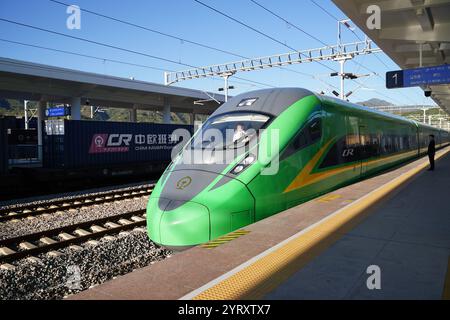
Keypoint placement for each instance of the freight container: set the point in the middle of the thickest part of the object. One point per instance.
(20, 123)
(13, 122)
(73, 144)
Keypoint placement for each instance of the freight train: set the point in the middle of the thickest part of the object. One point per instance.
(77, 153)
(321, 144)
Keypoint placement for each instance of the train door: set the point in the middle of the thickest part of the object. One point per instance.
(362, 152)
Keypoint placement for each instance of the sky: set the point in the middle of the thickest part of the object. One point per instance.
(190, 20)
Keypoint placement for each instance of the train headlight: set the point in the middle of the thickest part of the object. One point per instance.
(249, 160)
(238, 169)
(243, 164)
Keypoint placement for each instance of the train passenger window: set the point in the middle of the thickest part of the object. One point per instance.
(369, 147)
(344, 150)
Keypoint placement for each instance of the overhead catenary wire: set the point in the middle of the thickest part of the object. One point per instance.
(166, 34)
(125, 22)
(96, 42)
(116, 47)
(327, 12)
(81, 54)
(96, 13)
(289, 23)
(151, 56)
(337, 19)
(381, 61)
(101, 58)
(255, 30)
(324, 10)
(299, 29)
(245, 25)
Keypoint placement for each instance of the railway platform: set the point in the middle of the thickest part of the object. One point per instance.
(407, 239)
(387, 237)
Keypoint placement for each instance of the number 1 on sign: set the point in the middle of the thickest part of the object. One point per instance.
(395, 77)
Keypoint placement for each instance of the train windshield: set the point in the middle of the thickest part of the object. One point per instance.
(229, 131)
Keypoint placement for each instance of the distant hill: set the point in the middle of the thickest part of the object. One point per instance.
(374, 102)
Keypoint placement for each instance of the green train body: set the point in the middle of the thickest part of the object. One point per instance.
(319, 143)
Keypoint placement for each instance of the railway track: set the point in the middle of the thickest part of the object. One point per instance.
(49, 241)
(7, 214)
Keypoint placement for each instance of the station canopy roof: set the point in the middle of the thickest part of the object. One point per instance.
(31, 81)
(405, 26)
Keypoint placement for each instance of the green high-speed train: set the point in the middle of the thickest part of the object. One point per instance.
(289, 146)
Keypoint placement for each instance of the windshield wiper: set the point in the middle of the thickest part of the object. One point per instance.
(245, 138)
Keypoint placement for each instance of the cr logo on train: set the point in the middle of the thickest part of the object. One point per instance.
(348, 153)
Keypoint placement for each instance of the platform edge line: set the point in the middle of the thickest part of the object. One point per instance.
(358, 206)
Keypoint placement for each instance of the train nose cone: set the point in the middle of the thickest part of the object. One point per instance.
(186, 225)
(190, 207)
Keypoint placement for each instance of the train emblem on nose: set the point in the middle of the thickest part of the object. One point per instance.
(184, 182)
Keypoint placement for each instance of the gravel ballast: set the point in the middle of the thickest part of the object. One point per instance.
(11, 229)
(77, 270)
(43, 200)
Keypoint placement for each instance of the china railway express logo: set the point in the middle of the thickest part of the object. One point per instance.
(99, 141)
(124, 142)
(105, 143)
(184, 182)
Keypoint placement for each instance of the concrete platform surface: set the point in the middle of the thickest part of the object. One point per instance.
(408, 238)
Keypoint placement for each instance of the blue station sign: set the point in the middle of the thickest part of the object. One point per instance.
(425, 76)
(58, 111)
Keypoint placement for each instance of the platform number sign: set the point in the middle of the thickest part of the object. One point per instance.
(424, 76)
(394, 79)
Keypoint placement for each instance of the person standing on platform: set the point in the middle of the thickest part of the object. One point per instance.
(431, 152)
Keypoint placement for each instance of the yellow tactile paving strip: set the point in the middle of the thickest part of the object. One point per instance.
(265, 274)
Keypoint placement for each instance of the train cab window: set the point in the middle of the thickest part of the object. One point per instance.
(300, 141)
(315, 130)
(309, 135)
(231, 130)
